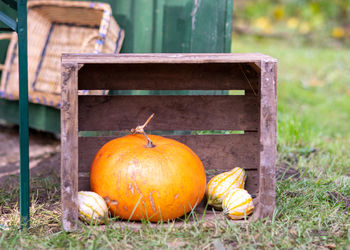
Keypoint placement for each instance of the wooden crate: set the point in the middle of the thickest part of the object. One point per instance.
(246, 103)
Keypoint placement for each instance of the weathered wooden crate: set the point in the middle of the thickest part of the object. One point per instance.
(245, 107)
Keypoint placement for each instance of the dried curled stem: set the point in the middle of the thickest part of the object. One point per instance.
(140, 130)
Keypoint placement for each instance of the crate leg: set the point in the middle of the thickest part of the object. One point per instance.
(267, 181)
(69, 146)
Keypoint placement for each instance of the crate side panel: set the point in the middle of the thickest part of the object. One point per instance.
(205, 76)
(114, 113)
(215, 151)
(268, 152)
(69, 146)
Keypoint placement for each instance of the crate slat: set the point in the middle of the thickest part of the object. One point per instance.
(110, 113)
(211, 76)
(166, 58)
(215, 151)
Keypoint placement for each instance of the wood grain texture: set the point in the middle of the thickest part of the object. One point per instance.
(268, 151)
(69, 146)
(166, 58)
(171, 112)
(157, 76)
(215, 151)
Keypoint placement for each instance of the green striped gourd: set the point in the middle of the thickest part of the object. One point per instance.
(92, 207)
(222, 183)
(238, 204)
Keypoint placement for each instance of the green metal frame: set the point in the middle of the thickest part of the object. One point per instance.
(21, 28)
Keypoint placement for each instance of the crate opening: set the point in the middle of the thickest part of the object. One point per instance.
(91, 141)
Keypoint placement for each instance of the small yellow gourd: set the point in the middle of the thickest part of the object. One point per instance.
(238, 204)
(92, 207)
(222, 183)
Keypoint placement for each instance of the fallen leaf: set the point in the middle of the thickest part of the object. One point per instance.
(208, 224)
(316, 82)
(264, 24)
(304, 28)
(218, 245)
(292, 23)
(330, 246)
(278, 12)
(176, 244)
(293, 231)
(338, 32)
(256, 237)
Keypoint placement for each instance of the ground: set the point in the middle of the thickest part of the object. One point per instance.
(44, 155)
(313, 187)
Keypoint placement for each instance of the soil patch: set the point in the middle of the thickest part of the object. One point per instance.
(339, 198)
(43, 153)
(285, 171)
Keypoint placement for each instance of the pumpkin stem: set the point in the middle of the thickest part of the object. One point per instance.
(140, 130)
(149, 143)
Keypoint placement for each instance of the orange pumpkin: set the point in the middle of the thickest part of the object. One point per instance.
(138, 181)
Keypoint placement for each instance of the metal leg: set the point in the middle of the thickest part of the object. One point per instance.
(23, 111)
(21, 28)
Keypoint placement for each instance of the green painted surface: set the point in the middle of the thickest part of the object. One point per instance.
(3, 44)
(228, 26)
(8, 21)
(40, 117)
(20, 26)
(181, 26)
(23, 110)
(11, 3)
(151, 26)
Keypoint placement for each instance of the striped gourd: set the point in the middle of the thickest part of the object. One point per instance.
(92, 207)
(238, 204)
(222, 183)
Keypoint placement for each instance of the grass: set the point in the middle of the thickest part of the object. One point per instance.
(313, 140)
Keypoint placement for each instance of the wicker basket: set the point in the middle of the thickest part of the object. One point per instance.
(56, 27)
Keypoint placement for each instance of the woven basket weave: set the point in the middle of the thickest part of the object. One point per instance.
(56, 27)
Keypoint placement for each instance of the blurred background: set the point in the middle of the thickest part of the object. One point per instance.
(316, 22)
(310, 39)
